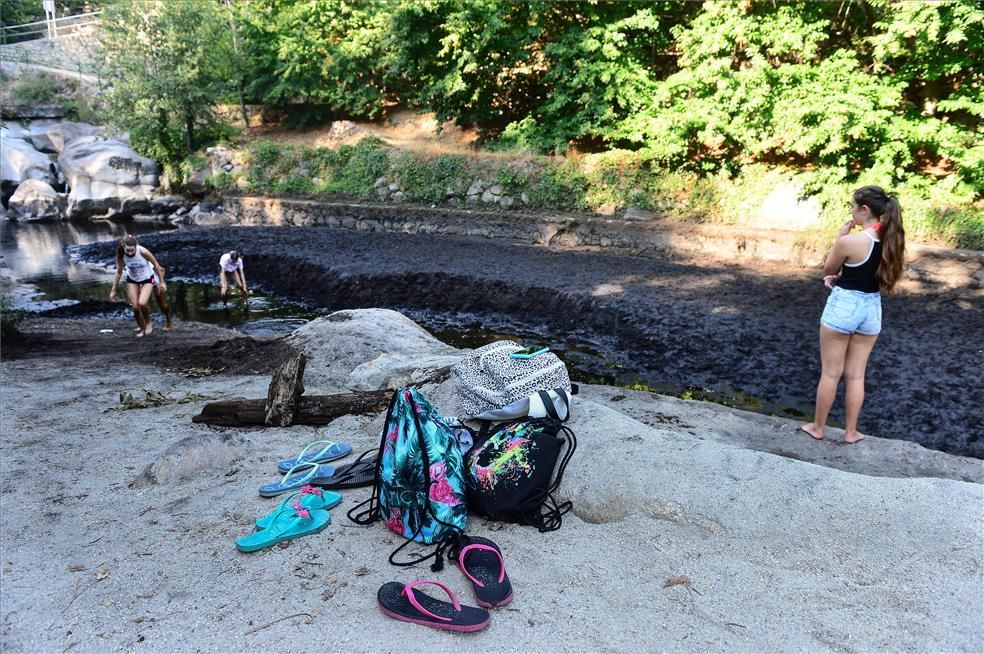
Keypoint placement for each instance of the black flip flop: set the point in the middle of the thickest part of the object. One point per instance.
(481, 561)
(361, 472)
(400, 601)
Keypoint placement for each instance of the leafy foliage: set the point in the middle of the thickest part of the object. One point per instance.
(170, 64)
(325, 52)
(832, 94)
(36, 88)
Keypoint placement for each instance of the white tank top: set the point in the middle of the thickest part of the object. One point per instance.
(137, 267)
(227, 265)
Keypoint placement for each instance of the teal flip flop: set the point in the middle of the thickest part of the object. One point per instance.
(316, 475)
(329, 452)
(309, 498)
(288, 523)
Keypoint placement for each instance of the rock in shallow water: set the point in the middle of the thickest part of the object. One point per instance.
(35, 199)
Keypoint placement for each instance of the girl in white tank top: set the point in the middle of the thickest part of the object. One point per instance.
(144, 278)
(138, 269)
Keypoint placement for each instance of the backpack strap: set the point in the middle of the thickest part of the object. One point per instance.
(372, 513)
(551, 407)
(552, 518)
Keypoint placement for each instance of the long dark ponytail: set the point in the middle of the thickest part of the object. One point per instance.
(891, 233)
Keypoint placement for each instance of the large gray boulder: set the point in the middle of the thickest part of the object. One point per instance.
(369, 349)
(107, 175)
(36, 200)
(19, 161)
(61, 134)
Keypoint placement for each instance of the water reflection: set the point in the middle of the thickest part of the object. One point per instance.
(36, 252)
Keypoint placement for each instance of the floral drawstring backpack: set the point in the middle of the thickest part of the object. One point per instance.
(419, 489)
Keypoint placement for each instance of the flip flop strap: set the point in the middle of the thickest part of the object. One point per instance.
(479, 546)
(286, 500)
(408, 593)
(277, 529)
(300, 466)
(324, 450)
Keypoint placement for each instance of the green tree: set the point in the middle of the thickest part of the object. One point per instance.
(169, 65)
(318, 52)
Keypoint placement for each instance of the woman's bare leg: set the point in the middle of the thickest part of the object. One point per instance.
(237, 279)
(223, 283)
(133, 294)
(145, 292)
(833, 351)
(855, 363)
(161, 296)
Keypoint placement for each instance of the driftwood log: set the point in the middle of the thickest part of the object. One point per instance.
(284, 405)
(285, 391)
(311, 410)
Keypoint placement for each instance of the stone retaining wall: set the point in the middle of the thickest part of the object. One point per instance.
(727, 244)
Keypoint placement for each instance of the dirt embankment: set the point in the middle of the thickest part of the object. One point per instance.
(730, 329)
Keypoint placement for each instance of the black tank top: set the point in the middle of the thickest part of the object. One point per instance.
(861, 276)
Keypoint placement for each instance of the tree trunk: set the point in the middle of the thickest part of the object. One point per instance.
(312, 410)
(285, 390)
(236, 64)
(190, 133)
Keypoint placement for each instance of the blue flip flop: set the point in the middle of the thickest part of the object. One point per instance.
(288, 523)
(309, 498)
(318, 474)
(329, 452)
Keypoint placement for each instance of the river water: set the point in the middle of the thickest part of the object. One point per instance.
(37, 254)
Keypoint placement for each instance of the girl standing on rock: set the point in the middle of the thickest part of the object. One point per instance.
(857, 269)
(144, 276)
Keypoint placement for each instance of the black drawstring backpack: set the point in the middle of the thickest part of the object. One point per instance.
(510, 473)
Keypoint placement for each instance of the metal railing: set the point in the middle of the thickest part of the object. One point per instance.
(41, 29)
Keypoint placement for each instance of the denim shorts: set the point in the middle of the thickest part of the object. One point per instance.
(848, 312)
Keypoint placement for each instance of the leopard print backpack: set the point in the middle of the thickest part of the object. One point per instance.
(498, 382)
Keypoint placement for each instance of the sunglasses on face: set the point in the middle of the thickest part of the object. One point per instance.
(129, 251)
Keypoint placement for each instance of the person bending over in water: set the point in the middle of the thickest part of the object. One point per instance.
(858, 268)
(231, 264)
(144, 276)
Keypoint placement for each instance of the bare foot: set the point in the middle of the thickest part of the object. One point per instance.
(139, 330)
(812, 430)
(167, 327)
(141, 334)
(148, 329)
(857, 437)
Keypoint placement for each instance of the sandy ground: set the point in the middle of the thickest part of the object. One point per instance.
(781, 555)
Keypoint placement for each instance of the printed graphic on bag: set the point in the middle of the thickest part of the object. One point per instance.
(508, 456)
(410, 506)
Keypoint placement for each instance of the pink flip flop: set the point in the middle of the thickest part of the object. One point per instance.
(481, 561)
(403, 603)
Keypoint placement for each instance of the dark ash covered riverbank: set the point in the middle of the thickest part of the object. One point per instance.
(739, 329)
